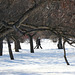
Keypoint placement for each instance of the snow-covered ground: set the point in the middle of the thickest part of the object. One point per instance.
(46, 61)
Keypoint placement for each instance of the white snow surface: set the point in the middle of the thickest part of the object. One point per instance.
(46, 61)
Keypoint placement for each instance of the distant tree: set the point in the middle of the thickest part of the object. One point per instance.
(60, 43)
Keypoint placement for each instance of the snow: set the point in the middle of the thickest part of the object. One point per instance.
(46, 61)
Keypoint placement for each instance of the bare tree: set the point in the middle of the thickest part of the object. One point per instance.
(25, 16)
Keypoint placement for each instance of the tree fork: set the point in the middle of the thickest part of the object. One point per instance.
(17, 43)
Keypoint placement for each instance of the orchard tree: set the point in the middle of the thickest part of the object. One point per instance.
(25, 16)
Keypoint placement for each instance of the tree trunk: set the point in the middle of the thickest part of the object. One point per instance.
(31, 44)
(60, 43)
(10, 51)
(17, 43)
(16, 46)
(65, 54)
(1, 46)
(19, 46)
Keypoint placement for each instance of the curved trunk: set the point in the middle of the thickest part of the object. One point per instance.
(65, 53)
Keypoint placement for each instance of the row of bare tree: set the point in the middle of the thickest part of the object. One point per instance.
(30, 16)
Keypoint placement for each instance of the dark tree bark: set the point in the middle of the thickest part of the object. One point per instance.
(65, 53)
(17, 43)
(60, 43)
(19, 46)
(1, 46)
(31, 43)
(10, 51)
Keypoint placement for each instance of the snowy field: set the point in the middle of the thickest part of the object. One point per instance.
(46, 61)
